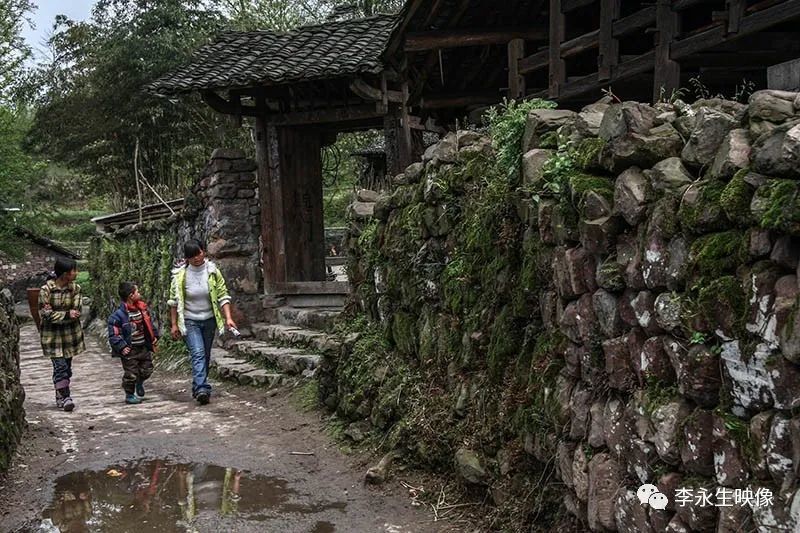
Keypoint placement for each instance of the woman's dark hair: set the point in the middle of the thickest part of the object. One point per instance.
(64, 265)
(126, 288)
(192, 248)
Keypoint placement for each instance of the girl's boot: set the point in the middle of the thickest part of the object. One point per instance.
(59, 399)
(67, 404)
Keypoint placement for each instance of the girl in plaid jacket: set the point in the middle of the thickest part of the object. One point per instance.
(61, 333)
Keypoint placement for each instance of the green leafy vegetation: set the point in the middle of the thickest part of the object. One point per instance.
(507, 125)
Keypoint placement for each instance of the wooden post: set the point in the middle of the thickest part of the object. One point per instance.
(667, 71)
(608, 55)
(399, 149)
(735, 13)
(516, 81)
(558, 74)
(269, 186)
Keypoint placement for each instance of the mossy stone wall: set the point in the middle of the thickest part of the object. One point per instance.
(617, 306)
(12, 414)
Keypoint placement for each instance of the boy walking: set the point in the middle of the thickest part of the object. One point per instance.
(133, 339)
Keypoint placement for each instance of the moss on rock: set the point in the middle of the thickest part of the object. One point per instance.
(703, 212)
(778, 204)
(717, 253)
(735, 199)
(587, 153)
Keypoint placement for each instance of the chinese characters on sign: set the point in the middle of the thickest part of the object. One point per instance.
(723, 497)
(703, 497)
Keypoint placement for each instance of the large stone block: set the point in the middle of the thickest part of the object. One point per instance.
(730, 466)
(778, 153)
(605, 479)
(710, 130)
(632, 193)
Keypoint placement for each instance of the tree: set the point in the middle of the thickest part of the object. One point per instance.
(13, 50)
(93, 109)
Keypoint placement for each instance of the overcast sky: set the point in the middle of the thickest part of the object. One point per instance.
(46, 13)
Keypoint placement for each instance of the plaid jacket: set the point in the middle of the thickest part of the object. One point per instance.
(62, 336)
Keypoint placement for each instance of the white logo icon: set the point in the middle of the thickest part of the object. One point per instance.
(648, 494)
(658, 501)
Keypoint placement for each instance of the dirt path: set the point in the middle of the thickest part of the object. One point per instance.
(181, 467)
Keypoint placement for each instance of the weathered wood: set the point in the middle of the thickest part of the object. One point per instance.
(434, 10)
(755, 59)
(221, 105)
(463, 100)
(608, 54)
(323, 116)
(635, 21)
(368, 92)
(516, 81)
(557, 71)
(752, 23)
(435, 40)
(534, 61)
(580, 44)
(572, 5)
(309, 287)
(784, 76)
(736, 10)
(268, 181)
(667, 71)
(683, 5)
(399, 35)
(626, 69)
(301, 180)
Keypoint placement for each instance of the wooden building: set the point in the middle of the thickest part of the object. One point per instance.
(439, 60)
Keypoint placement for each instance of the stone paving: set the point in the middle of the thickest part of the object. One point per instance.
(243, 427)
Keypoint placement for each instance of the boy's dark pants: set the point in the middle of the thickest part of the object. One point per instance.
(136, 366)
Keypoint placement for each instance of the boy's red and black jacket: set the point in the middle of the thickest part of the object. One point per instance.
(120, 330)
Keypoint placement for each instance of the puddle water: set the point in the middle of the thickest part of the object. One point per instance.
(156, 495)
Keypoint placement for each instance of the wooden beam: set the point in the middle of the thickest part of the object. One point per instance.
(516, 81)
(735, 13)
(341, 114)
(368, 92)
(557, 71)
(743, 58)
(579, 44)
(667, 70)
(535, 61)
(626, 69)
(398, 35)
(572, 5)
(221, 105)
(755, 22)
(608, 55)
(457, 101)
(432, 13)
(635, 21)
(309, 287)
(435, 40)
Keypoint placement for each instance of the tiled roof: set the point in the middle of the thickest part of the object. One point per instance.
(258, 58)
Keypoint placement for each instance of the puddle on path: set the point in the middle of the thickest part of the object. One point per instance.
(157, 495)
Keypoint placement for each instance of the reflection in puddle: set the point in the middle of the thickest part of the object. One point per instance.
(156, 495)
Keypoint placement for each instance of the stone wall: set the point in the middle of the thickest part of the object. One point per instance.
(12, 414)
(622, 310)
(30, 270)
(222, 210)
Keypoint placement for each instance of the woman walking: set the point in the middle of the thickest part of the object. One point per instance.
(198, 302)
(61, 333)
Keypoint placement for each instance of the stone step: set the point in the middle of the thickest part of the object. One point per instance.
(289, 360)
(312, 318)
(296, 336)
(240, 371)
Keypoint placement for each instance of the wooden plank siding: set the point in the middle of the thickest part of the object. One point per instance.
(670, 47)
